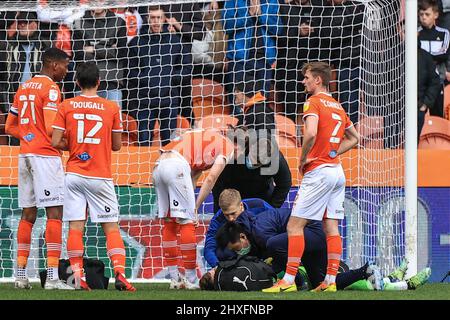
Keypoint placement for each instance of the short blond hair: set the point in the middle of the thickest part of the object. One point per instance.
(319, 69)
(229, 197)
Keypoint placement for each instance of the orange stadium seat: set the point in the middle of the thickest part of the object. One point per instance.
(435, 133)
(217, 121)
(286, 142)
(208, 97)
(447, 102)
(182, 123)
(130, 130)
(286, 128)
(371, 130)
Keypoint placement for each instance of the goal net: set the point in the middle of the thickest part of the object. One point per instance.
(182, 74)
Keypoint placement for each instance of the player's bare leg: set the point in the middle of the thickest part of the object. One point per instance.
(23, 246)
(116, 252)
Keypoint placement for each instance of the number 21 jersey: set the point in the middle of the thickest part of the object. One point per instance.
(32, 98)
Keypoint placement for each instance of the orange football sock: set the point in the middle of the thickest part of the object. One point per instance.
(23, 243)
(170, 243)
(188, 248)
(296, 246)
(75, 250)
(188, 245)
(53, 239)
(116, 251)
(334, 249)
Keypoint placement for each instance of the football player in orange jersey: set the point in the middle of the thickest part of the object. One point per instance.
(175, 175)
(29, 120)
(328, 134)
(90, 127)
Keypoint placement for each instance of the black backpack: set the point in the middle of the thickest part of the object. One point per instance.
(245, 273)
(94, 269)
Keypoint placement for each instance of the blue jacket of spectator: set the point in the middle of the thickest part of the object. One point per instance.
(252, 206)
(158, 61)
(240, 27)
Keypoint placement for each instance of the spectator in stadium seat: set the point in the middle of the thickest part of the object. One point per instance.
(133, 22)
(60, 21)
(186, 20)
(299, 44)
(132, 19)
(256, 113)
(428, 86)
(101, 37)
(435, 40)
(211, 50)
(157, 63)
(340, 44)
(444, 15)
(252, 27)
(23, 53)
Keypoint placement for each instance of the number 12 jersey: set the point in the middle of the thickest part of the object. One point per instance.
(88, 122)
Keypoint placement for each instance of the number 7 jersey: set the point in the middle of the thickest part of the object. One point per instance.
(333, 121)
(88, 122)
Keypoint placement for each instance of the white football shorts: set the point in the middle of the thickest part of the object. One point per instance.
(174, 189)
(96, 194)
(321, 189)
(41, 181)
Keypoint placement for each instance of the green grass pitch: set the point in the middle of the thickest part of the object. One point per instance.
(161, 292)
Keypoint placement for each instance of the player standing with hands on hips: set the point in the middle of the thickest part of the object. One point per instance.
(328, 134)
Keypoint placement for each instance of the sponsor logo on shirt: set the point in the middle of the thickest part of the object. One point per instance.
(107, 216)
(47, 193)
(29, 137)
(56, 198)
(333, 154)
(306, 106)
(84, 156)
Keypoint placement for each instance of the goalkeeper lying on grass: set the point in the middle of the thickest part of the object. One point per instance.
(240, 239)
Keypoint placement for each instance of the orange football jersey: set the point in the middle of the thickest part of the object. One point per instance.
(201, 148)
(32, 98)
(333, 121)
(88, 123)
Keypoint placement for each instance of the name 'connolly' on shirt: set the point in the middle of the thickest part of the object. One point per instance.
(331, 104)
(87, 105)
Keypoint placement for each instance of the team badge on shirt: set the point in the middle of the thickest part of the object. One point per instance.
(53, 95)
(333, 154)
